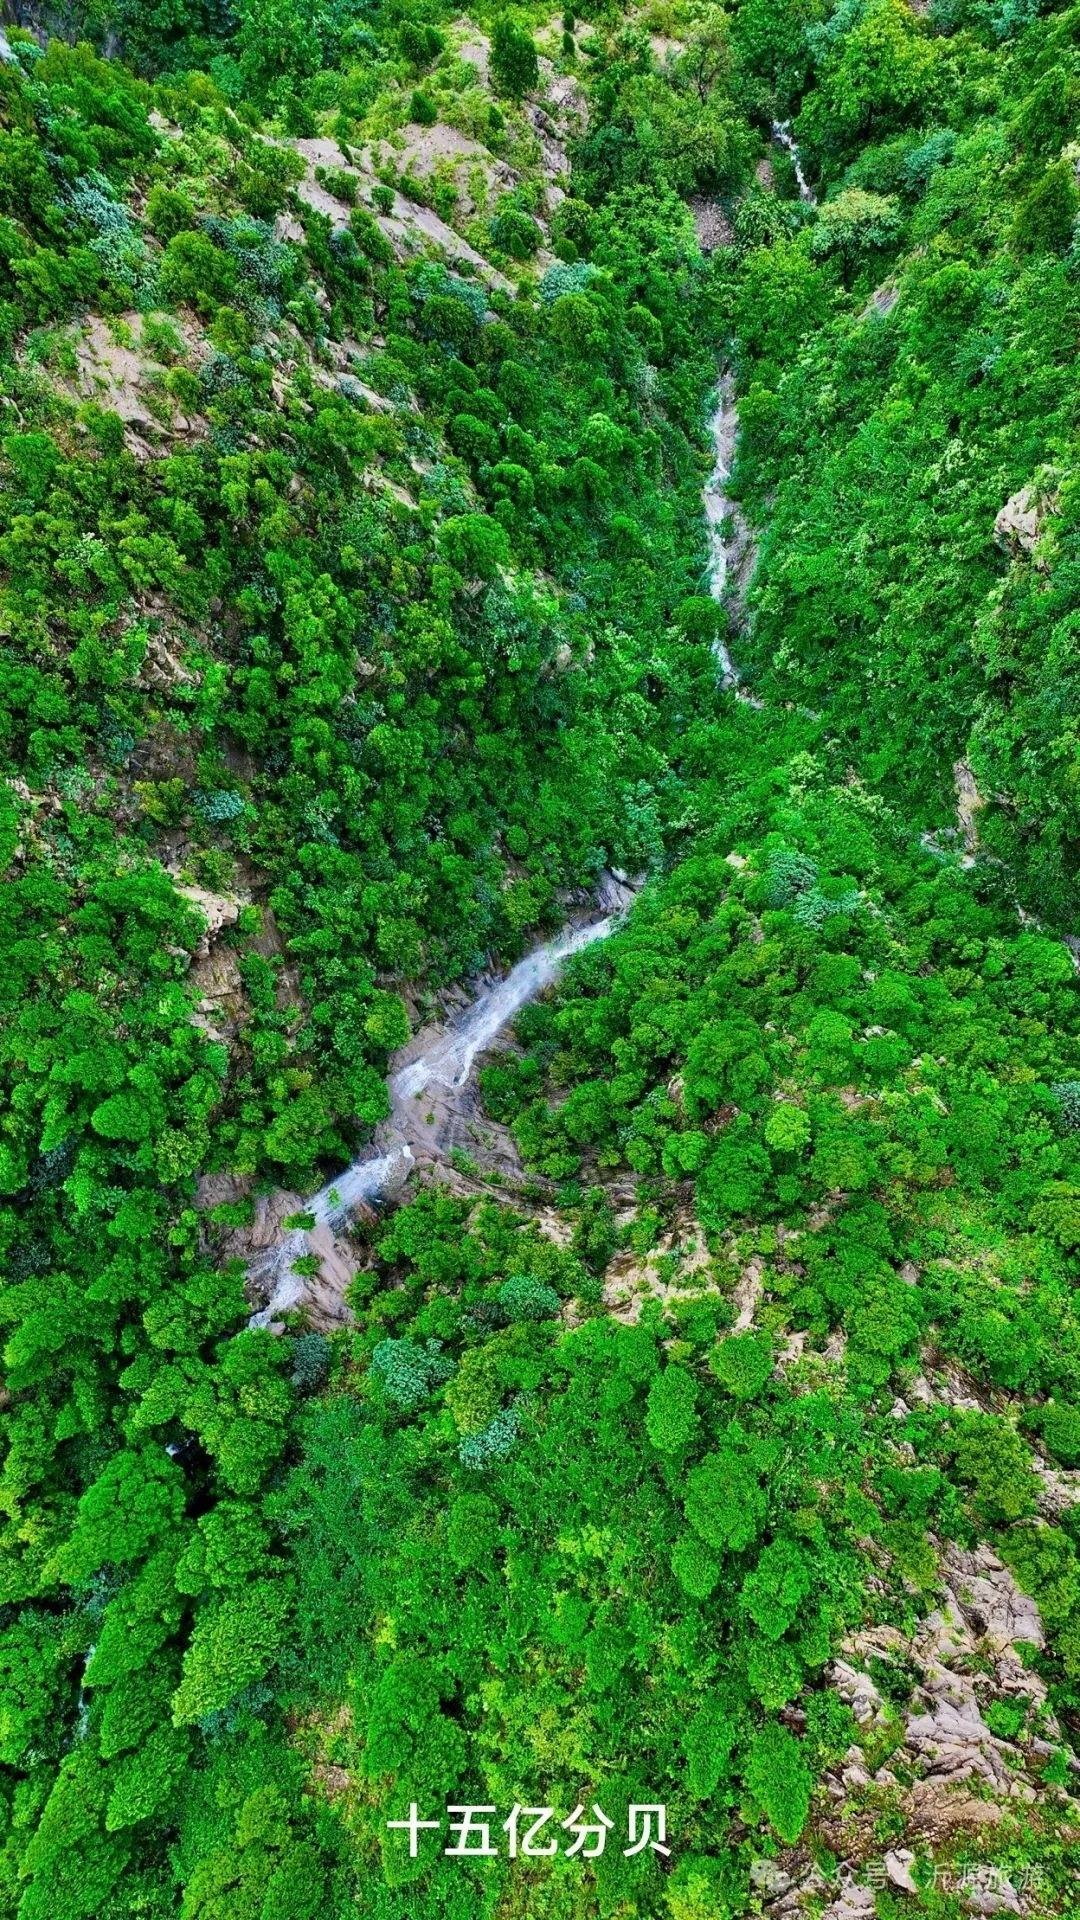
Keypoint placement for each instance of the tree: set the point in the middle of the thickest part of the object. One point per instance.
(742, 1363)
(1046, 217)
(696, 1569)
(780, 1779)
(472, 1529)
(773, 1593)
(514, 65)
(724, 1502)
(708, 1742)
(670, 1419)
(235, 1642)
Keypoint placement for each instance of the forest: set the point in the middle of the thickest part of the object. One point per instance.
(461, 475)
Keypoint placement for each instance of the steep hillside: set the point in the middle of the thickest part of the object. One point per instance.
(669, 1407)
(908, 362)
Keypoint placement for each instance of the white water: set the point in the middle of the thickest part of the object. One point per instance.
(729, 535)
(782, 134)
(449, 1060)
(447, 1063)
(365, 1180)
(719, 510)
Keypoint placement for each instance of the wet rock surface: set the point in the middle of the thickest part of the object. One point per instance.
(435, 1113)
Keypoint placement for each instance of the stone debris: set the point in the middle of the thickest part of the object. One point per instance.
(898, 1863)
(1058, 1489)
(747, 1294)
(711, 224)
(987, 1889)
(851, 1903)
(856, 1690)
(1019, 524)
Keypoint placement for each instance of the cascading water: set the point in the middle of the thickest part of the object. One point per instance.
(729, 535)
(447, 1061)
(782, 134)
(445, 1064)
(450, 1062)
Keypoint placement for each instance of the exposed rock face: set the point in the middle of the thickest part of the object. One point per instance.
(632, 1279)
(222, 1001)
(856, 1690)
(1059, 1489)
(1020, 522)
(951, 1774)
(748, 1291)
(408, 225)
(851, 1903)
(711, 224)
(114, 369)
(992, 1603)
(882, 301)
(218, 909)
(969, 802)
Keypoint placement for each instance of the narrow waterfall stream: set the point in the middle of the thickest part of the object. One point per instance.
(730, 544)
(426, 1081)
(429, 1075)
(730, 540)
(782, 134)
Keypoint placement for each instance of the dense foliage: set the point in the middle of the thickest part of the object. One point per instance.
(908, 361)
(355, 366)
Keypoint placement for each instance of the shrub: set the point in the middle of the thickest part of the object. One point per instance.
(724, 1503)
(409, 1372)
(670, 1419)
(522, 1297)
(422, 109)
(311, 1361)
(787, 1128)
(493, 1442)
(695, 1568)
(514, 66)
(516, 232)
(1066, 1094)
(1046, 216)
(779, 1778)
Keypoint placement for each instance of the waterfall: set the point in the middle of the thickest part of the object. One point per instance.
(729, 535)
(441, 1070)
(450, 1061)
(782, 134)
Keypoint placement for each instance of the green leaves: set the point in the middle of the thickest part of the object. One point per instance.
(742, 1363)
(670, 1419)
(513, 58)
(234, 1644)
(134, 1502)
(788, 1129)
(774, 1592)
(724, 1501)
(779, 1778)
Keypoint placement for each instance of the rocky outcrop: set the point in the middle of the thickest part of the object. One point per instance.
(218, 910)
(1020, 522)
(948, 1775)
